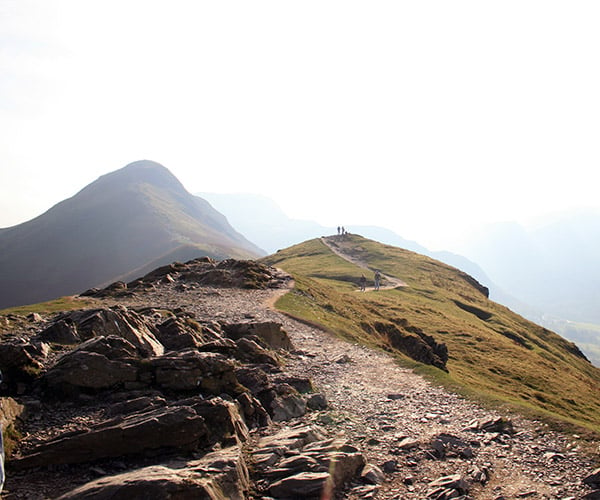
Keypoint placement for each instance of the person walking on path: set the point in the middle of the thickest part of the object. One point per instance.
(363, 283)
(377, 279)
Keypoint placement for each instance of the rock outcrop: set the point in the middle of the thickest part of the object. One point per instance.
(156, 385)
(185, 390)
(221, 475)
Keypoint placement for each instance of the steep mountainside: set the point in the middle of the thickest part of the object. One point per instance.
(119, 223)
(442, 318)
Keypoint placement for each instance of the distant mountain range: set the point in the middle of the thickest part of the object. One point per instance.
(262, 221)
(132, 220)
(554, 267)
(126, 221)
(550, 275)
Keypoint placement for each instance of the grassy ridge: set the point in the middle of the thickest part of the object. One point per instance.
(493, 352)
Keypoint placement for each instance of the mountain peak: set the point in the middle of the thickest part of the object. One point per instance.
(144, 171)
(136, 216)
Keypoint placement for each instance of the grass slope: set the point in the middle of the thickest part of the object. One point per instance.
(493, 352)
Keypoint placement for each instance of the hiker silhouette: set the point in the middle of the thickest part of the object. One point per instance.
(363, 283)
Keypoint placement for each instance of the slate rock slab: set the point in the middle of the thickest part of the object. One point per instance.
(164, 428)
(221, 475)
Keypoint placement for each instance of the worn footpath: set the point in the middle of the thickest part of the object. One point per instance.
(196, 393)
(413, 431)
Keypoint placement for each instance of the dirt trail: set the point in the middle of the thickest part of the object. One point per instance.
(394, 415)
(335, 244)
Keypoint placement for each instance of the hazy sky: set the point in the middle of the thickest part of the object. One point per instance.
(427, 117)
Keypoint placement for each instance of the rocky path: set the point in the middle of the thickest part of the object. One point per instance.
(336, 246)
(412, 431)
(164, 384)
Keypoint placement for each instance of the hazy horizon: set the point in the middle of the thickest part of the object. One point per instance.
(427, 119)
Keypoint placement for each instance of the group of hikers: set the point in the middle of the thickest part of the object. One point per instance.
(376, 281)
(342, 231)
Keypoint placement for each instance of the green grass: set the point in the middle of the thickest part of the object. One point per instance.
(502, 358)
(67, 303)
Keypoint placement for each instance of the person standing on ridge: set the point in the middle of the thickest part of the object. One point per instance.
(377, 279)
(363, 283)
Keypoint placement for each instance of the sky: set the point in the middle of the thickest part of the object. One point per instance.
(426, 117)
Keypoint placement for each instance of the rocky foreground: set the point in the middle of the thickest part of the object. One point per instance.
(184, 384)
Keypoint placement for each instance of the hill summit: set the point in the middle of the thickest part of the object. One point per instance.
(442, 317)
(135, 218)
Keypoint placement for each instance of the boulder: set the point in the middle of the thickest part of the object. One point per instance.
(61, 332)
(345, 464)
(317, 401)
(116, 289)
(291, 438)
(21, 363)
(301, 384)
(372, 474)
(112, 347)
(250, 352)
(447, 487)
(302, 485)
(223, 346)
(454, 481)
(88, 370)
(120, 322)
(287, 404)
(34, 317)
(171, 428)
(294, 465)
(221, 475)
(20, 354)
(448, 446)
(301, 464)
(208, 372)
(254, 379)
(270, 332)
(254, 413)
(223, 421)
(176, 335)
(231, 273)
(501, 425)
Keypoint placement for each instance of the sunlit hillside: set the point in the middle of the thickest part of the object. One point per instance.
(492, 352)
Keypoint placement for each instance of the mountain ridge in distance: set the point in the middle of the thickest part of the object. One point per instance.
(553, 267)
(123, 221)
(262, 221)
